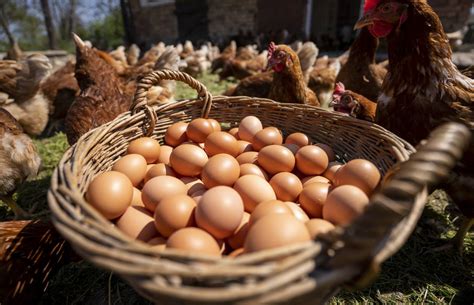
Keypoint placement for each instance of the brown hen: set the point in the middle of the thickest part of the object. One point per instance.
(353, 104)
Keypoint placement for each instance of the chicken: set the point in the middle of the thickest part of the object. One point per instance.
(197, 62)
(19, 159)
(286, 84)
(307, 55)
(322, 79)
(361, 74)
(353, 104)
(227, 54)
(21, 81)
(243, 68)
(133, 53)
(31, 252)
(423, 88)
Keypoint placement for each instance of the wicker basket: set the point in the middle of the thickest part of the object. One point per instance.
(307, 273)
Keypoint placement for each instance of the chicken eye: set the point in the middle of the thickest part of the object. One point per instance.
(386, 8)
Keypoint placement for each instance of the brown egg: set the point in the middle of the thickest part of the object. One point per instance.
(158, 188)
(188, 160)
(221, 142)
(147, 147)
(176, 134)
(137, 223)
(194, 241)
(359, 172)
(174, 213)
(158, 243)
(215, 124)
(292, 147)
(267, 136)
(311, 160)
(318, 226)
(343, 204)
(313, 198)
(268, 207)
(248, 128)
(236, 240)
(275, 230)
(193, 184)
(275, 159)
(235, 132)
(297, 138)
(244, 146)
(287, 186)
(330, 172)
(198, 130)
(137, 198)
(328, 150)
(220, 211)
(221, 169)
(297, 211)
(110, 193)
(311, 179)
(133, 166)
(252, 169)
(237, 252)
(247, 157)
(159, 169)
(165, 153)
(253, 190)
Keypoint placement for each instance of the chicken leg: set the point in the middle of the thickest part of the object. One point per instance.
(17, 210)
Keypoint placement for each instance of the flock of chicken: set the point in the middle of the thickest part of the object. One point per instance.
(421, 89)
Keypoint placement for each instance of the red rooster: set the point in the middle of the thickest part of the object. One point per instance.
(423, 88)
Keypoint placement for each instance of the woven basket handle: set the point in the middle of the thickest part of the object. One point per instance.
(140, 101)
(365, 242)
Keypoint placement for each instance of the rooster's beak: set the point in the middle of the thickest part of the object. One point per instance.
(366, 20)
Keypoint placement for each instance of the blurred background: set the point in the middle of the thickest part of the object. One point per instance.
(47, 24)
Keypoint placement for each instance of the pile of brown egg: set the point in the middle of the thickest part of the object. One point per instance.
(213, 192)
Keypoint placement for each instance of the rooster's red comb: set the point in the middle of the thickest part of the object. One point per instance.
(370, 5)
(271, 49)
(339, 89)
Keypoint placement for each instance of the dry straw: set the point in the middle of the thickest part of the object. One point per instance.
(301, 274)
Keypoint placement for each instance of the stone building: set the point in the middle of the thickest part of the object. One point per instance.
(324, 21)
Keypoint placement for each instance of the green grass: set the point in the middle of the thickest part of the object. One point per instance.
(416, 274)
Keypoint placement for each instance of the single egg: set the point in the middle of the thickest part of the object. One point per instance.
(275, 159)
(221, 169)
(133, 166)
(220, 211)
(158, 243)
(198, 130)
(267, 136)
(236, 240)
(235, 132)
(275, 230)
(252, 169)
(311, 160)
(344, 204)
(147, 147)
(248, 128)
(243, 146)
(193, 184)
(165, 153)
(318, 226)
(297, 138)
(215, 124)
(188, 160)
(253, 190)
(174, 213)
(311, 179)
(247, 157)
(158, 188)
(287, 186)
(221, 142)
(110, 193)
(358, 172)
(137, 198)
(313, 197)
(268, 207)
(159, 169)
(137, 223)
(328, 150)
(330, 172)
(194, 240)
(176, 134)
(297, 211)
